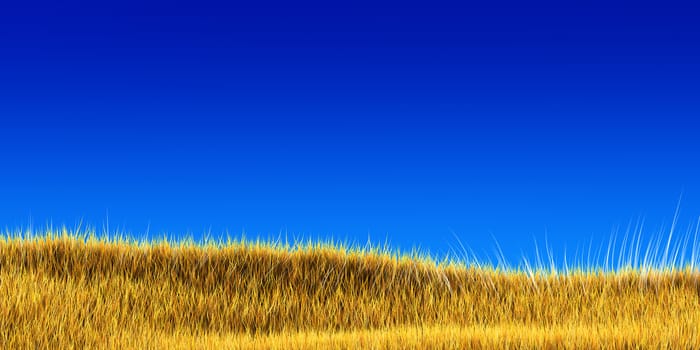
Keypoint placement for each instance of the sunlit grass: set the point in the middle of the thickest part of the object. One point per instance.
(71, 288)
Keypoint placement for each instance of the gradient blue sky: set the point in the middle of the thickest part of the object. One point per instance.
(407, 123)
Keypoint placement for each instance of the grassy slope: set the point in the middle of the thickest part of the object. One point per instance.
(59, 292)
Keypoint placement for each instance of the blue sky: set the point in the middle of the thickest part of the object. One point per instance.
(400, 122)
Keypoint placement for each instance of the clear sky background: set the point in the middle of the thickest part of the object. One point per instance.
(403, 122)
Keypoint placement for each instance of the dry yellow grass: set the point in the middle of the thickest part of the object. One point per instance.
(65, 290)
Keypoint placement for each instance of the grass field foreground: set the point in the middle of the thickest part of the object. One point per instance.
(66, 289)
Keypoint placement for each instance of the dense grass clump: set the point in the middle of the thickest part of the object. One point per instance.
(65, 289)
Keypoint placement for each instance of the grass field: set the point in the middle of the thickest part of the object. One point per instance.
(62, 290)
